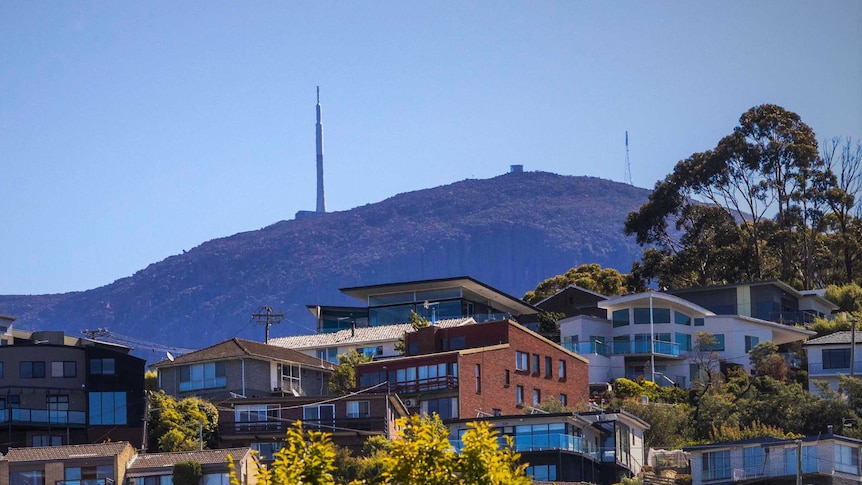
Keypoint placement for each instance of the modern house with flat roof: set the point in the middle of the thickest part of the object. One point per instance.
(434, 299)
(653, 335)
(598, 447)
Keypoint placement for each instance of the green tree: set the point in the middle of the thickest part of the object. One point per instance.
(593, 277)
(483, 462)
(844, 159)
(848, 297)
(416, 321)
(187, 473)
(177, 425)
(548, 325)
(765, 361)
(343, 377)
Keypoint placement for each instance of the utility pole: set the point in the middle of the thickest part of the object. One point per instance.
(852, 321)
(268, 319)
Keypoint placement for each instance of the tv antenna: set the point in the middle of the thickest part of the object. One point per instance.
(266, 317)
(628, 176)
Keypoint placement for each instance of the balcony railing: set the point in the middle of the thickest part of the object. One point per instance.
(423, 385)
(546, 442)
(90, 481)
(660, 347)
(42, 416)
(797, 317)
(817, 368)
(326, 424)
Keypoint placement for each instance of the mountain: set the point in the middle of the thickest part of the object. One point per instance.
(510, 231)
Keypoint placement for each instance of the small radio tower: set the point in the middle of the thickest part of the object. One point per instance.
(628, 177)
(266, 317)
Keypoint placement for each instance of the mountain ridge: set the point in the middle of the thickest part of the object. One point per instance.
(510, 231)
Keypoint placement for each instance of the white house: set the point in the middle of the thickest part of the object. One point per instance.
(653, 335)
(830, 355)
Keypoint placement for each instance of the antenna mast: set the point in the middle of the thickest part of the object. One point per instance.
(268, 319)
(628, 176)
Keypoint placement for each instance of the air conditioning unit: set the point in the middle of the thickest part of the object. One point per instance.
(411, 403)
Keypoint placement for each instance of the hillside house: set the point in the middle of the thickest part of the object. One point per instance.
(59, 390)
(493, 368)
(830, 356)
(594, 447)
(243, 368)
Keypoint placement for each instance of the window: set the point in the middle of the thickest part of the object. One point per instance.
(698, 322)
(58, 409)
(267, 450)
(321, 416)
(506, 379)
(683, 340)
(522, 361)
(681, 319)
(257, 417)
(156, 480)
(542, 473)
(564, 399)
(836, 358)
(35, 477)
(358, 409)
(809, 460)
(215, 479)
(202, 376)
(329, 354)
(31, 369)
(64, 369)
(446, 407)
(846, 459)
(537, 397)
(753, 459)
(1, 370)
(108, 408)
(548, 364)
(478, 378)
(716, 465)
(718, 346)
(103, 367)
(536, 366)
(519, 394)
(750, 342)
(561, 369)
(291, 378)
(659, 315)
(371, 351)
(47, 440)
(620, 318)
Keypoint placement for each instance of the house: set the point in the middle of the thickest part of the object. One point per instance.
(831, 355)
(93, 464)
(773, 301)
(653, 335)
(594, 447)
(574, 300)
(377, 342)
(158, 468)
(59, 390)
(238, 367)
(825, 459)
(261, 423)
(434, 299)
(491, 368)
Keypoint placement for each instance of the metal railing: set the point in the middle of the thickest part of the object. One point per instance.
(42, 416)
(422, 385)
(660, 347)
(819, 369)
(547, 442)
(89, 481)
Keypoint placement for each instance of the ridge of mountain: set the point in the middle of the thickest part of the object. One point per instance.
(510, 231)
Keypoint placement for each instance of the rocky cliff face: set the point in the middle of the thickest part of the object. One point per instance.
(510, 232)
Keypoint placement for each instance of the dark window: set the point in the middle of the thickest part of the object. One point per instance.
(836, 358)
(108, 408)
(549, 372)
(507, 378)
(103, 367)
(32, 369)
(620, 318)
(478, 378)
(64, 369)
(536, 366)
(519, 394)
(564, 399)
(457, 343)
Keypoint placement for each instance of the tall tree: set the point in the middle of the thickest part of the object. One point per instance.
(605, 281)
(178, 425)
(843, 157)
(343, 378)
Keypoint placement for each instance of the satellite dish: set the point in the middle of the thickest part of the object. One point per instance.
(170, 356)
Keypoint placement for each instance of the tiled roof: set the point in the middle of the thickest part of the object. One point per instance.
(361, 335)
(51, 453)
(835, 338)
(236, 347)
(160, 460)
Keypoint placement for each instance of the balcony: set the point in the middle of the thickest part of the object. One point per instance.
(279, 426)
(816, 368)
(42, 417)
(548, 442)
(640, 347)
(424, 385)
(801, 317)
(584, 348)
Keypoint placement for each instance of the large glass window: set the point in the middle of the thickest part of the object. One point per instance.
(809, 460)
(683, 340)
(754, 458)
(716, 465)
(321, 415)
(35, 477)
(836, 358)
(681, 319)
(847, 459)
(31, 369)
(58, 409)
(446, 407)
(215, 479)
(202, 376)
(108, 408)
(660, 315)
(620, 318)
(542, 473)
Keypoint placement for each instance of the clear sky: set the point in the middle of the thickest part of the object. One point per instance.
(131, 131)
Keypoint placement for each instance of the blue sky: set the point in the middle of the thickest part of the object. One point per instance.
(131, 131)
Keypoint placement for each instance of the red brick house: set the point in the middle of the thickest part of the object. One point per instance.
(494, 368)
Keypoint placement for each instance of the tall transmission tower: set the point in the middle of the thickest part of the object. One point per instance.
(628, 176)
(265, 316)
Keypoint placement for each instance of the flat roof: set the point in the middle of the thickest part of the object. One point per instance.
(504, 301)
